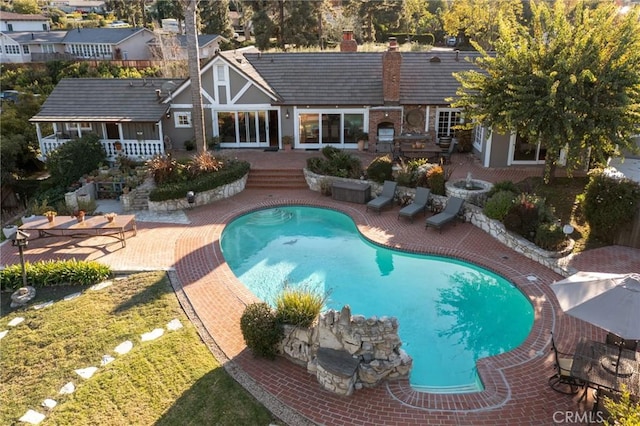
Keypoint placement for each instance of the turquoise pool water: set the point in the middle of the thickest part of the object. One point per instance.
(451, 313)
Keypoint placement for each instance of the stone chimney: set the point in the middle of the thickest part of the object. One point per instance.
(348, 43)
(391, 65)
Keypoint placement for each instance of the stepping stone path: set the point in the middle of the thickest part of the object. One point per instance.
(34, 417)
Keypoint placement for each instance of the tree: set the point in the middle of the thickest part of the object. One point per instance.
(566, 82)
(415, 16)
(478, 19)
(132, 11)
(193, 57)
(28, 7)
(214, 17)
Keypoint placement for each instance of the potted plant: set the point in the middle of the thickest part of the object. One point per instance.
(287, 142)
(9, 230)
(110, 216)
(50, 215)
(79, 215)
(362, 138)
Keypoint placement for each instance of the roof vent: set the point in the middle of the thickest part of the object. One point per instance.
(434, 59)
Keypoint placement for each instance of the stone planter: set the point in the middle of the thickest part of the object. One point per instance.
(9, 231)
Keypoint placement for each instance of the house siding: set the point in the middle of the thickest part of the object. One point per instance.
(499, 156)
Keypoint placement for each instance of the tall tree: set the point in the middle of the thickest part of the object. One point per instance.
(28, 7)
(214, 18)
(566, 82)
(132, 11)
(190, 8)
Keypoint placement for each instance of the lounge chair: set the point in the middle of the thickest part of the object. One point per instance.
(450, 212)
(385, 198)
(418, 205)
(562, 381)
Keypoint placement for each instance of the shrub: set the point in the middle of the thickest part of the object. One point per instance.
(329, 152)
(436, 180)
(610, 202)
(189, 145)
(505, 185)
(499, 205)
(164, 169)
(549, 236)
(380, 169)
(231, 172)
(75, 158)
(523, 217)
(54, 273)
(335, 163)
(298, 306)
(203, 163)
(261, 330)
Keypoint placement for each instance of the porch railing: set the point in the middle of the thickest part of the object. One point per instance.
(133, 149)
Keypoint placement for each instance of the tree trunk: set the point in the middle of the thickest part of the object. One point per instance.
(193, 56)
(549, 167)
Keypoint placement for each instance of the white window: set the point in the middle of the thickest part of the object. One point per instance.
(82, 125)
(25, 49)
(48, 48)
(12, 49)
(220, 73)
(447, 118)
(479, 133)
(182, 119)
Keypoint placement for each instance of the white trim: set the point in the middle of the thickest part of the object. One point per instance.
(240, 93)
(427, 121)
(207, 96)
(487, 149)
(319, 112)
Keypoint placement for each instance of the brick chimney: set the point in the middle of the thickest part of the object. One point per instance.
(348, 43)
(391, 65)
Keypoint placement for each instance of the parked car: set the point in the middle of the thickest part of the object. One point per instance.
(451, 41)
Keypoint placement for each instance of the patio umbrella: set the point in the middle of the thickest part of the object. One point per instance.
(608, 301)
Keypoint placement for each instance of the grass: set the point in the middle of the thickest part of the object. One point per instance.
(563, 195)
(168, 381)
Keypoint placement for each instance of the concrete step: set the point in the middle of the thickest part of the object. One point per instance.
(276, 178)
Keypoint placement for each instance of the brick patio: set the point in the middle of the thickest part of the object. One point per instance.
(516, 389)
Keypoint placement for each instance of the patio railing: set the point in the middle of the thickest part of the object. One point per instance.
(131, 148)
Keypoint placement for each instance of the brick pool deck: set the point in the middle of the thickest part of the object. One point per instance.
(516, 389)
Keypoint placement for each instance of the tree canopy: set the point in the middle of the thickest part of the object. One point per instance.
(570, 80)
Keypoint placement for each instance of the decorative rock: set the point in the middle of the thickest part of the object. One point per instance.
(106, 359)
(43, 305)
(72, 296)
(32, 417)
(152, 335)
(15, 321)
(22, 296)
(174, 325)
(49, 403)
(86, 373)
(123, 347)
(100, 286)
(67, 389)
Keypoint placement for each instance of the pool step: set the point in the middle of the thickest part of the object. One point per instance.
(276, 179)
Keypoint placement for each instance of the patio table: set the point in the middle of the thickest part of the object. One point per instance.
(90, 227)
(595, 364)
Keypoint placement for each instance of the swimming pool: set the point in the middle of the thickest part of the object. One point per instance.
(451, 313)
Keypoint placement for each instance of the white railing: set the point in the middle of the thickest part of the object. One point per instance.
(134, 149)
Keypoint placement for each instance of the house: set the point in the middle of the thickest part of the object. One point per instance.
(109, 43)
(253, 100)
(10, 21)
(82, 6)
(32, 46)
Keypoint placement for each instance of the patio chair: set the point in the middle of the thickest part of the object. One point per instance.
(418, 205)
(562, 381)
(618, 341)
(385, 198)
(450, 212)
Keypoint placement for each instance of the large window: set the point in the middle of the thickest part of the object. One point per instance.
(447, 118)
(245, 127)
(479, 136)
(12, 49)
(528, 150)
(329, 128)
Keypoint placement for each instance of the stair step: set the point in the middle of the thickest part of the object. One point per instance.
(276, 179)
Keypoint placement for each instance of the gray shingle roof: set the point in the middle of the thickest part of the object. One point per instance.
(101, 35)
(37, 37)
(343, 78)
(98, 99)
(354, 78)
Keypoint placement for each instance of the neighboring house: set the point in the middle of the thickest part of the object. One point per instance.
(37, 46)
(109, 43)
(82, 6)
(10, 21)
(81, 43)
(253, 100)
(174, 46)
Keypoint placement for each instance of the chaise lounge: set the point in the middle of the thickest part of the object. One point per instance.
(385, 198)
(450, 212)
(418, 205)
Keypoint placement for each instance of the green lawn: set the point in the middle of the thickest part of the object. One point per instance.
(173, 380)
